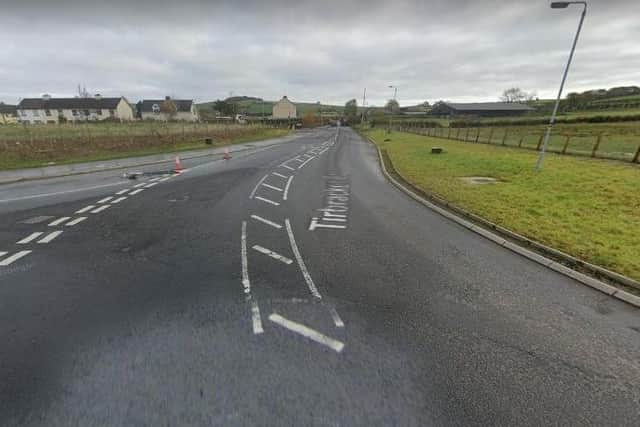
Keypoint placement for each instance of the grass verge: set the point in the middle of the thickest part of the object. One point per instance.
(11, 161)
(585, 207)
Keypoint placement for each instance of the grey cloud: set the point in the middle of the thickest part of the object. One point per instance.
(329, 51)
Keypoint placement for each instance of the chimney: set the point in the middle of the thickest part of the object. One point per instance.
(46, 97)
(167, 98)
(97, 96)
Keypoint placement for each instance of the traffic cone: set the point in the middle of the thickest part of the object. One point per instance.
(178, 168)
(226, 155)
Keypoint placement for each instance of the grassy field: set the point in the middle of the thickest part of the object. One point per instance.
(38, 145)
(588, 208)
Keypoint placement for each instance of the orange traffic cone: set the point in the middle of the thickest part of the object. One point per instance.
(178, 168)
(226, 155)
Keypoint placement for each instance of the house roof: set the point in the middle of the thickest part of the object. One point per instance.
(182, 105)
(489, 106)
(69, 103)
(7, 109)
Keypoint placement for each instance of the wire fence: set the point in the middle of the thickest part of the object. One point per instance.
(615, 143)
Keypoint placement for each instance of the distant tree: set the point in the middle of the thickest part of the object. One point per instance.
(169, 108)
(392, 106)
(515, 94)
(351, 108)
(309, 120)
(225, 108)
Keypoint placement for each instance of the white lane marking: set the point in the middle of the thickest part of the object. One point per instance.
(273, 187)
(139, 185)
(100, 209)
(266, 221)
(315, 224)
(165, 179)
(255, 317)
(336, 318)
(119, 199)
(154, 179)
(243, 251)
(253, 192)
(267, 201)
(280, 175)
(303, 268)
(306, 161)
(76, 221)
(105, 200)
(86, 208)
(272, 254)
(121, 192)
(321, 152)
(134, 192)
(14, 258)
(297, 159)
(49, 237)
(59, 221)
(307, 332)
(287, 166)
(2, 253)
(286, 188)
(58, 193)
(151, 185)
(30, 238)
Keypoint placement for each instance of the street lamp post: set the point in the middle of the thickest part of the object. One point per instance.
(561, 5)
(395, 94)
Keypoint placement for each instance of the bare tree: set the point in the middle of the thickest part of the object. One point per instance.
(392, 106)
(82, 91)
(515, 94)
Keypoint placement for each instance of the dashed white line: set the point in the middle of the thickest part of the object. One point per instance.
(58, 193)
(76, 221)
(280, 175)
(2, 253)
(139, 185)
(306, 161)
(14, 258)
(49, 237)
(134, 192)
(151, 185)
(287, 166)
(243, 251)
(105, 200)
(100, 209)
(272, 254)
(154, 179)
(121, 192)
(86, 208)
(166, 178)
(253, 192)
(30, 238)
(273, 187)
(286, 188)
(266, 221)
(59, 221)
(267, 201)
(118, 200)
(336, 318)
(307, 332)
(303, 267)
(297, 159)
(255, 317)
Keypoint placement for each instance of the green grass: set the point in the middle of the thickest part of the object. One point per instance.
(585, 207)
(12, 160)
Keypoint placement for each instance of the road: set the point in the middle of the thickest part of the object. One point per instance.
(291, 285)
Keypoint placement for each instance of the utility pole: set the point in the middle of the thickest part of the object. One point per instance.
(364, 100)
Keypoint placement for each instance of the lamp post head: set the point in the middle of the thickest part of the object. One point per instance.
(559, 4)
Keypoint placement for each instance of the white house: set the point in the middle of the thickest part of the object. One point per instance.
(284, 109)
(167, 109)
(55, 110)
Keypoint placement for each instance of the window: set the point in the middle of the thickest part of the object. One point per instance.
(60, 112)
(99, 112)
(155, 108)
(47, 112)
(112, 113)
(23, 113)
(74, 112)
(86, 112)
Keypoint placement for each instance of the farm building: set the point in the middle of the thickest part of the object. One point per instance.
(55, 110)
(8, 114)
(167, 109)
(480, 109)
(284, 109)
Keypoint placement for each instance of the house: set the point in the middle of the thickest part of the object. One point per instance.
(284, 109)
(56, 110)
(481, 109)
(167, 109)
(8, 114)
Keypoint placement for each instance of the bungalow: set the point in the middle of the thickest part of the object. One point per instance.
(167, 109)
(56, 110)
(480, 109)
(8, 114)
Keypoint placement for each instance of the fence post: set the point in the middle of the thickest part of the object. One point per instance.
(466, 135)
(636, 156)
(597, 144)
(449, 134)
(458, 134)
(520, 142)
(478, 135)
(539, 142)
(504, 137)
(566, 144)
(490, 136)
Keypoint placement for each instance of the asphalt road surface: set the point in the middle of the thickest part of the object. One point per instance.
(291, 285)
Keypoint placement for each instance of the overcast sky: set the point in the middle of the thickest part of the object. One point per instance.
(456, 50)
